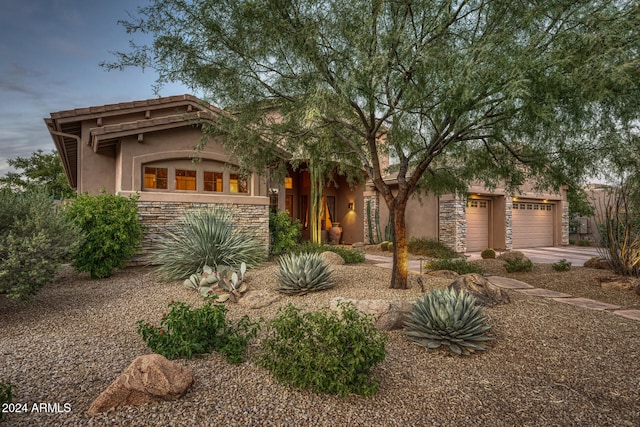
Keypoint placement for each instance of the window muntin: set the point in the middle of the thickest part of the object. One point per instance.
(155, 178)
(237, 184)
(185, 179)
(213, 181)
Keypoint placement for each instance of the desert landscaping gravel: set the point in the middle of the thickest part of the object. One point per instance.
(550, 364)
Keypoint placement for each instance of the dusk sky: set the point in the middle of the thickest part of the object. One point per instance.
(50, 52)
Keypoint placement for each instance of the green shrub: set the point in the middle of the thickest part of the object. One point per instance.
(562, 265)
(513, 265)
(430, 248)
(206, 237)
(584, 242)
(186, 332)
(350, 256)
(302, 273)
(445, 317)
(111, 231)
(459, 265)
(385, 245)
(35, 239)
(5, 396)
(488, 253)
(284, 232)
(324, 351)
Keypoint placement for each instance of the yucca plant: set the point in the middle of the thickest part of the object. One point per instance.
(303, 273)
(446, 317)
(206, 238)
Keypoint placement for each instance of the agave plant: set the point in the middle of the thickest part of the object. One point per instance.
(206, 237)
(222, 281)
(303, 273)
(446, 317)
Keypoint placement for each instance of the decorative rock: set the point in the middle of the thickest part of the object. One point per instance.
(597, 263)
(258, 299)
(389, 315)
(331, 258)
(444, 274)
(485, 292)
(149, 378)
(617, 283)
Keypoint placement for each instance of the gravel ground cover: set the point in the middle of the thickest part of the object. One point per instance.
(551, 363)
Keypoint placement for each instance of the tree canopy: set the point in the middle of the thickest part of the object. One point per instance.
(41, 172)
(456, 91)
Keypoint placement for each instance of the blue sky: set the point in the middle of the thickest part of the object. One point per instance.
(50, 52)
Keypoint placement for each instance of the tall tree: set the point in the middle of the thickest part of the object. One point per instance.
(40, 171)
(456, 90)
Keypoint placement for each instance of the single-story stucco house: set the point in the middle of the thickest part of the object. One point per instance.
(146, 148)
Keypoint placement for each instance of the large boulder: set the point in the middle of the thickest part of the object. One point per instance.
(512, 256)
(149, 378)
(259, 298)
(485, 292)
(331, 258)
(389, 315)
(597, 263)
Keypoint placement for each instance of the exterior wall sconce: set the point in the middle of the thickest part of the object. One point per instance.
(351, 206)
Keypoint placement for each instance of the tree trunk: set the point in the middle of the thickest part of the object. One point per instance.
(400, 251)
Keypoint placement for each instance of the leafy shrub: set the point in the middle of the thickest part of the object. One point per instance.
(488, 253)
(459, 265)
(111, 230)
(385, 245)
(35, 238)
(326, 352)
(513, 265)
(303, 273)
(445, 317)
(5, 396)
(511, 255)
(584, 242)
(186, 332)
(562, 265)
(284, 232)
(206, 237)
(350, 256)
(430, 248)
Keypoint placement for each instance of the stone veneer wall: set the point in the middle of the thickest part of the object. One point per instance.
(373, 200)
(453, 224)
(565, 223)
(508, 222)
(159, 217)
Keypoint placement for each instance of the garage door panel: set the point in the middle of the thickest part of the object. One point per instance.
(532, 225)
(477, 216)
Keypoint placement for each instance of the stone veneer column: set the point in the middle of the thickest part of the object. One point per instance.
(565, 222)
(453, 224)
(508, 222)
(372, 198)
(159, 217)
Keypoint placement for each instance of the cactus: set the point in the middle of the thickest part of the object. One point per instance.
(378, 236)
(303, 273)
(223, 282)
(446, 317)
(370, 224)
(388, 229)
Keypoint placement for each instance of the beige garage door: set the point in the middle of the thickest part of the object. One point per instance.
(532, 225)
(478, 224)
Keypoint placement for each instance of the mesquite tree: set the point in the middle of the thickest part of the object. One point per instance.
(455, 91)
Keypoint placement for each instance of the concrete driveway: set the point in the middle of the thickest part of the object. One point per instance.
(576, 255)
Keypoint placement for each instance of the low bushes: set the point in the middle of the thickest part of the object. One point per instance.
(350, 256)
(187, 332)
(513, 265)
(430, 248)
(562, 265)
(5, 396)
(324, 351)
(459, 265)
(35, 238)
(111, 231)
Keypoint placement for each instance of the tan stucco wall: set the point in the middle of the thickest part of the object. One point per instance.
(421, 217)
(96, 171)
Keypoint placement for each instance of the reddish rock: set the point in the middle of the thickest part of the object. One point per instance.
(149, 378)
(389, 315)
(485, 292)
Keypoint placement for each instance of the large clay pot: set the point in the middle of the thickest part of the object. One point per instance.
(335, 233)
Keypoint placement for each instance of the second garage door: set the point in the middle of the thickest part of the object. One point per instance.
(532, 225)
